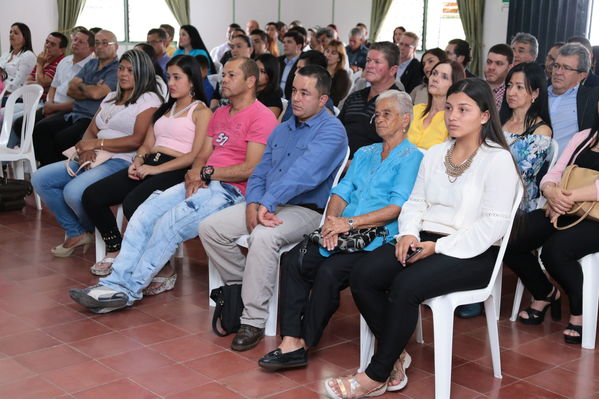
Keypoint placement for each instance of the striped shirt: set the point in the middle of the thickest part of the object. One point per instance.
(49, 71)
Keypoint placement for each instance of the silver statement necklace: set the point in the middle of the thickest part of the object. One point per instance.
(454, 171)
(174, 115)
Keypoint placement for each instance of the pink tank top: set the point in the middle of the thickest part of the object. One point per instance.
(176, 133)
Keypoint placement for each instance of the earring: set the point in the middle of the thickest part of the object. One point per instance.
(192, 93)
(533, 100)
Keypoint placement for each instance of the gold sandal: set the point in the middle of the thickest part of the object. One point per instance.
(405, 360)
(349, 388)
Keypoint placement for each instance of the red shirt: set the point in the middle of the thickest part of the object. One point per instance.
(49, 70)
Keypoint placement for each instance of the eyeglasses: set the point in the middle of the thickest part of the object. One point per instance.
(567, 68)
(104, 43)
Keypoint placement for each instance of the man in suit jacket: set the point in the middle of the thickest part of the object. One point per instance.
(459, 50)
(410, 69)
(293, 43)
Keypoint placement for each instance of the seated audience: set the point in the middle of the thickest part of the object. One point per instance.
(282, 202)
(459, 50)
(118, 128)
(149, 50)
(156, 39)
(241, 46)
(281, 30)
(293, 43)
(364, 29)
(457, 253)
(429, 59)
(228, 55)
(561, 248)
(409, 70)
(397, 32)
(275, 47)
(500, 60)
(526, 48)
(206, 84)
(324, 36)
(592, 80)
(371, 194)
(250, 26)
(335, 53)
(428, 127)
(267, 90)
(217, 52)
(18, 62)
(168, 42)
(173, 140)
(191, 43)
(236, 138)
(356, 50)
(259, 43)
(55, 134)
(358, 109)
(550, 59)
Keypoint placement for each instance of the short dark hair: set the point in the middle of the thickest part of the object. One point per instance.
(169, 29)
(280, 24)
(235, 26)
(95, 30)
(160, 32)
(314, 57)
(249, 68)
(91, 37)
(245, 39)
(361, 24)
(503, 49)
(203, 62)
(301, 30)
(64, 41)
(462, 47)
(261, 33)
(297, 37)
(390, 50)
(325, 31)
(323, 79)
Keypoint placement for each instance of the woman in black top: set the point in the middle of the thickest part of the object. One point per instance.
(268, 91)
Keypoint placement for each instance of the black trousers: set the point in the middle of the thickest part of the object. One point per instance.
(120, 189)
(53, 135)
(561, 251)
(388, 295)
(17, 125)
(310, 290)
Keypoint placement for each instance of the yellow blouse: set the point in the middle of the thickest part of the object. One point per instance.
(435, 132)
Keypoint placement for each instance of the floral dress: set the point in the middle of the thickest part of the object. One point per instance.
(530, 152)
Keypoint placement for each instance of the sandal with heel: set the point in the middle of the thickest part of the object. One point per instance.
(538, 316)
(573, 339)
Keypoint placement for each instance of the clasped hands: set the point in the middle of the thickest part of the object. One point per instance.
(258, 214)
(559, 202)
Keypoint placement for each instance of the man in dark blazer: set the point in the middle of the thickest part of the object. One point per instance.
(293, 43)
(410, 70)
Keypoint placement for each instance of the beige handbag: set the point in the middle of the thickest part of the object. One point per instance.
(72, 155)
(576, 177)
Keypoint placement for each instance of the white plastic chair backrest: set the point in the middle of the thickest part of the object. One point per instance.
(336, 181)
(554, 152)
(285, 103)
(336, 111)
(214, 79)
(31, 95)
(3, 92)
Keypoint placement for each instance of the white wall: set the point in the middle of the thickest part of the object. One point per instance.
(40, 15)
(494, 23)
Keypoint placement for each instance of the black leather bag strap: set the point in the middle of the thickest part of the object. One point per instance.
(217, 296)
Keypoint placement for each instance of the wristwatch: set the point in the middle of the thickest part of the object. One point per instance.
(206, 173)
(350, 222)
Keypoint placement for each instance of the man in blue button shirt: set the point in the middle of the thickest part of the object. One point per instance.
(53, 135)
(284, 200)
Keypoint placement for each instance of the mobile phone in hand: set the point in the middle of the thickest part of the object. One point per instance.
(411, 253)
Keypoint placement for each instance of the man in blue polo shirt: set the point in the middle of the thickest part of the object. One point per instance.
(284, 200)
(53, 135)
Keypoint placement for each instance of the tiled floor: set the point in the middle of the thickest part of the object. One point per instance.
(164, 347)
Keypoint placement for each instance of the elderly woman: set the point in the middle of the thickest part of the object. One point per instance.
(371, 194)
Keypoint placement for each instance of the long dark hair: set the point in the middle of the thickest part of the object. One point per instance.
(144, 75)
(191, 68)
(273, 71)
(149, 50)
(437, 52)
(534, 79)
(26, 32)
(197, 43)
(457, 74)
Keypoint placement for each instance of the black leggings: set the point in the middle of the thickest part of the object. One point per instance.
(53, 135)
(120, 189)
(561, 251)
(388, 295)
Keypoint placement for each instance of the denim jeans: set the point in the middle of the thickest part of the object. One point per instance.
(62, 193)
(156, 229)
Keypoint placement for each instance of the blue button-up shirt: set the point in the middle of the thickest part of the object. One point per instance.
(91, 75)
(358, 57)
(564, 116)
(372, 183)
(299, 163)
(289, 63)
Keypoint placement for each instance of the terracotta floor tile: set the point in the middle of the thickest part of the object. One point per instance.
(51, 317)
(171, 309)
(155, 332)
(257, 383)
(208, 391)
(566, 383)
(81, 376)
(346, 355)
(106, 345)
(31, 302)
(128, 318)
(525, 390)
(550, 351)
(199, 323)
(317, 369)
(10, 325)
(10, 371)
(137, 361)
(117, 389)
(470, 348)
(77, 330)
(425, 389)
(31, 388)
(222, 364)
(479, 378)
(170, 379)
(51, 358)
(509, 336)
(48, 283)
(26, 342)
(186, 348)
(297, 393)
(516, 364)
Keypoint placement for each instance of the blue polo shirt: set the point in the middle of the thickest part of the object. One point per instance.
(564, 115)
(358, 57)
(299, 163)
(91, 75)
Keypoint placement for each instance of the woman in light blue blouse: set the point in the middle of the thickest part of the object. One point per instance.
(191, 43)
(378, 182)
(527, 126)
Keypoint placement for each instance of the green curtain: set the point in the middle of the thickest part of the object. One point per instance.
(377, 15)
(180, 9)
(471, 14)
(68, 11)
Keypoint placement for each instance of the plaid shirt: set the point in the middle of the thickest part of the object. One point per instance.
(499, 93)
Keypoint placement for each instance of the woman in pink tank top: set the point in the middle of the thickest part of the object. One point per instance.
(171, 144)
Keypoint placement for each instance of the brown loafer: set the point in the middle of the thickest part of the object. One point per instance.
(247, 337)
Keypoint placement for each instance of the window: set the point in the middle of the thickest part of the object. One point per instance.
(129, 20)
(442, 21)
(594, 22)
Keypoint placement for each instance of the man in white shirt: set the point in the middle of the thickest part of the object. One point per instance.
(217, 52)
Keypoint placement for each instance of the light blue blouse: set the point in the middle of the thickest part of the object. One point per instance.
(371, 183)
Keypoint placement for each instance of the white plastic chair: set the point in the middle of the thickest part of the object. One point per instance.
(443, 308)
(31, 95)
(285, 103)
(214, 79)
(590, 299)
(215, 280)
(218, 67)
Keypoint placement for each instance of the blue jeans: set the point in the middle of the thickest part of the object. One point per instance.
(156, 229)
(62, 193)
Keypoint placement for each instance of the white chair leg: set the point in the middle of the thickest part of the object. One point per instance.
(120, 218)
(100, 246)
(419, 334)
(19, 169)
(443, 333)
(517, 300)
(590, 298)
(496, 293)
(366, 345)
(491, 314)
(214, 281)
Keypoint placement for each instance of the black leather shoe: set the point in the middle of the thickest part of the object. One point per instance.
(247, 337)
(468, 311)
(277, 360)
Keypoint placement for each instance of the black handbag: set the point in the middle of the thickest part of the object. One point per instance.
(229, 306)
(13, 193)
(352, 241)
